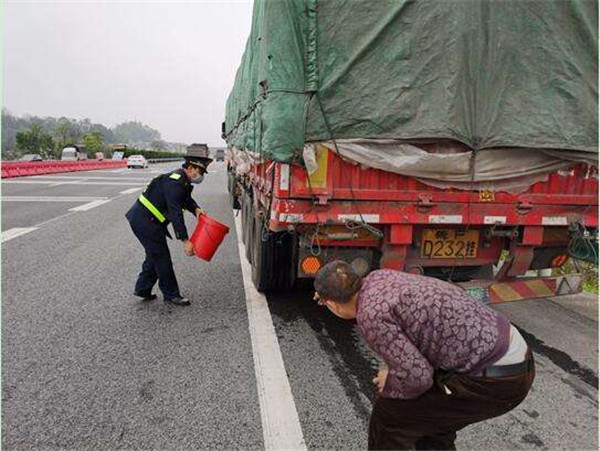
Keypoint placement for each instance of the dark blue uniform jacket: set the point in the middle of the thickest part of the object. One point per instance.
(170, 197)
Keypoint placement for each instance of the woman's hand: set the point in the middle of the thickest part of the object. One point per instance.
(380, 379)
(199, 212)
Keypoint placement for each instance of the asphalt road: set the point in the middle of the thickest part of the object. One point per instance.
(87, 365)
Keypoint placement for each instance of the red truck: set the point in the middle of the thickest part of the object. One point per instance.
(478, 209)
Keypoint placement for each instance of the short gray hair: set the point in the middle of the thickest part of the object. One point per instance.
(337, 281)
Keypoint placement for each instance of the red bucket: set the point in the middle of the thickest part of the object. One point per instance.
(207, 237)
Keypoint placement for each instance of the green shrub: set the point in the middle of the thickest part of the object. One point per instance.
(588, 270)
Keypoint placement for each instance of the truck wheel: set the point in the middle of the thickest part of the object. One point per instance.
(229, 182)
(272, 265)
(232, 187)
(235, 199)
(245, 203)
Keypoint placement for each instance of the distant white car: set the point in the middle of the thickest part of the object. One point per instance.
(31, 157)
(137, 161)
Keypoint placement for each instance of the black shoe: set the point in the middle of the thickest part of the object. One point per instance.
(178, 301)
(145, 296)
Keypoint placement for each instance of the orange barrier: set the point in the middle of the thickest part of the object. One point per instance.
(12, 169)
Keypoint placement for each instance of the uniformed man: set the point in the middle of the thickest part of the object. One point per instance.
(162, 203)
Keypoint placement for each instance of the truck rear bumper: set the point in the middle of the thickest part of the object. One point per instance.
(289, 212)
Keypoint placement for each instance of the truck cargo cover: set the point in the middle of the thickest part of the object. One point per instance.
(486, 74)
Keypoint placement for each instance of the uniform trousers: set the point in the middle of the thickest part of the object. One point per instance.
(157, 264)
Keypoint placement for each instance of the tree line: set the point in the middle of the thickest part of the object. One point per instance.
(47, 136)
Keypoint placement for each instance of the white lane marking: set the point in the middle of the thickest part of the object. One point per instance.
(130, 190)
(280, 423)
(61, 184)
(73, 181)
(96, 201)
(50, 182)
(17, 231)
(89, 206)
(65, 179)
(50, 199)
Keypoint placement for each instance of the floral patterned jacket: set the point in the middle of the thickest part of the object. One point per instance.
(419, 324)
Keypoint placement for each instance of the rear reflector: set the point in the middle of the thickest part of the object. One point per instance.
(559, 260)
(310, 265)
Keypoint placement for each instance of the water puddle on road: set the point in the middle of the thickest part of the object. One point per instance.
(352, 361)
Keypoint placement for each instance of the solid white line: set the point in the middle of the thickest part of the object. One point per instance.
(50, 199)
(130, 190)
(61, 184)
(74, 178)
(89, 206)
(17, 231)
(280, 423)
(50, 182)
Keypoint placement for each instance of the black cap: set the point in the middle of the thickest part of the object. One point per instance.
(201, 162)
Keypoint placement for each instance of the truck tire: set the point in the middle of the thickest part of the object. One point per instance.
(229, 181)
(245, 204)
(234, 199)
(272, 259)
(249, 229)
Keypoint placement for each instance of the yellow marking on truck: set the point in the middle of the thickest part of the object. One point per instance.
(318, 179)
(486, 196)
(505, 292)
(540, 288)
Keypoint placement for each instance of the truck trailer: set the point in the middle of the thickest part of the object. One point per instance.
(456, 139)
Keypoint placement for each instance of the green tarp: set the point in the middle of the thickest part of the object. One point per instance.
(486, 73)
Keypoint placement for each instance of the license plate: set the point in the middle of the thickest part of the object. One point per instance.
(449, 243)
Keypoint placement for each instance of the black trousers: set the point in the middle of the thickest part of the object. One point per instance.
(157, 265)
(430, 422)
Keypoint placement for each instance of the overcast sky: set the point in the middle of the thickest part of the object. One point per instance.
(167, 64)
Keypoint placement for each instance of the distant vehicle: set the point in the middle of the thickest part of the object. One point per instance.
(137, 161)
(99, 156)
(220, 155)
(197, 150)
(73, 153)
(31, 157)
